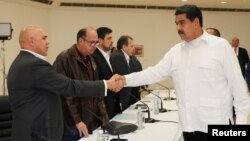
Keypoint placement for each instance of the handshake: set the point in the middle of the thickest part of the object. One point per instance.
(116, 82)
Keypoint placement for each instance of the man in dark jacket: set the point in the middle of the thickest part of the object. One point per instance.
(105, 71)
(77, 63)
(120, 63)
(34, 90)
(135, 66)
(241, 53)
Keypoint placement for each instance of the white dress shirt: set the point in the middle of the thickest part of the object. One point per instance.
(35, 54)
(126, 56)
(206, 75)
(236, 50)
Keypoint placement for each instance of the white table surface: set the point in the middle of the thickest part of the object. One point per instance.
(159, 131)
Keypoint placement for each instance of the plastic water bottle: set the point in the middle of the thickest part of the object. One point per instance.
(156, 106)
(102, 137)
(140, 118)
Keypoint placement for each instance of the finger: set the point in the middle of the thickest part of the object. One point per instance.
(80, 133)
(85, 132)
(120, 78)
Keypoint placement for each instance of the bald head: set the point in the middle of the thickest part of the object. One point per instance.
(26, 33)
(34, 39)
(85, 32)
(235, 42)
(213, 31)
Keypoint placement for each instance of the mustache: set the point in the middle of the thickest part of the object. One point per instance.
(180, 32)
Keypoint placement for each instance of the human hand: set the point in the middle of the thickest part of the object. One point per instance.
(116, 83)
(82, 129)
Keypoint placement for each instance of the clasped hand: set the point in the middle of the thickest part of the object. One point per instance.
(116, 83)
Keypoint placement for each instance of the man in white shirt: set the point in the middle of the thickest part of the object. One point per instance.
(206, 76)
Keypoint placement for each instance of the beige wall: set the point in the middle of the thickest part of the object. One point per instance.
(155, 29)
(19, 16)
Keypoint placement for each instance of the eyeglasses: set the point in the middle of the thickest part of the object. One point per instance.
(92, 43)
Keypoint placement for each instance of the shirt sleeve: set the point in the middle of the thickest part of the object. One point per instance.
(152, 74)
(106, 88)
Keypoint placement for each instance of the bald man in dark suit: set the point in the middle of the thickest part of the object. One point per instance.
(241, 53)
(35, 89)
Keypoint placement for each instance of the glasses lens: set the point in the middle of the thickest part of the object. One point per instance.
(92, 43)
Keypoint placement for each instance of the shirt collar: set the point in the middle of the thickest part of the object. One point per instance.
(126, 56)
(103, 52)
(35, 54)
(201, 39)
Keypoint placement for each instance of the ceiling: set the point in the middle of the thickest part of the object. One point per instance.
(231, 5)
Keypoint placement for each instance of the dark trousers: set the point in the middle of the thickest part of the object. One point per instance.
(195, 136)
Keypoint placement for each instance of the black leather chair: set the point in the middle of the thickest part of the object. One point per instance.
(5, 119)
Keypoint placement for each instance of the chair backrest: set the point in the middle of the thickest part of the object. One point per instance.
(5, 119)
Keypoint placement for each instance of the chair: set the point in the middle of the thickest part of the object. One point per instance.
(5, 119)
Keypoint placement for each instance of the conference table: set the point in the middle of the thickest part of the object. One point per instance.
(165, 130)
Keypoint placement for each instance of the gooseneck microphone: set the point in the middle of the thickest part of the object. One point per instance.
(169, 97)
(115, 127)
(161, 110)
(149, 119)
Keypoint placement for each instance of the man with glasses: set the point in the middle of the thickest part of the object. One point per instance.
(35, 89)
(77, 63)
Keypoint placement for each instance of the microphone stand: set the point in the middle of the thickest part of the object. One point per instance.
(161, 110)
(169, 97)
(149, 119)
(106, 125)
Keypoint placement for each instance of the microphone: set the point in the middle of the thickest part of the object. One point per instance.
(169, 97)
(149, 119)
(115, 127)
(161, 110)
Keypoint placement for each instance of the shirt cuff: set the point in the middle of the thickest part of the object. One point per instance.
(106, 87)
(126, 80)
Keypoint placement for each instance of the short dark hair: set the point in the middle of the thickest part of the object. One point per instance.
(102, 31)
(123, 40)
(191, 11)
(216, 31)
(81, 33)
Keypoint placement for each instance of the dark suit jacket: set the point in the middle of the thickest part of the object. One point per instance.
(34, 89)
(248, 75)
(135, 66)
(243, 59)
(120, 66)
(111, 100)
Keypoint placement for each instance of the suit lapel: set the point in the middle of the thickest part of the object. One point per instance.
(103, 60)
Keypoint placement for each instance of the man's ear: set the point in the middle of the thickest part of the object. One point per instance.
(100, 40)
(31, 41)
(124, 46)
(197, 21)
